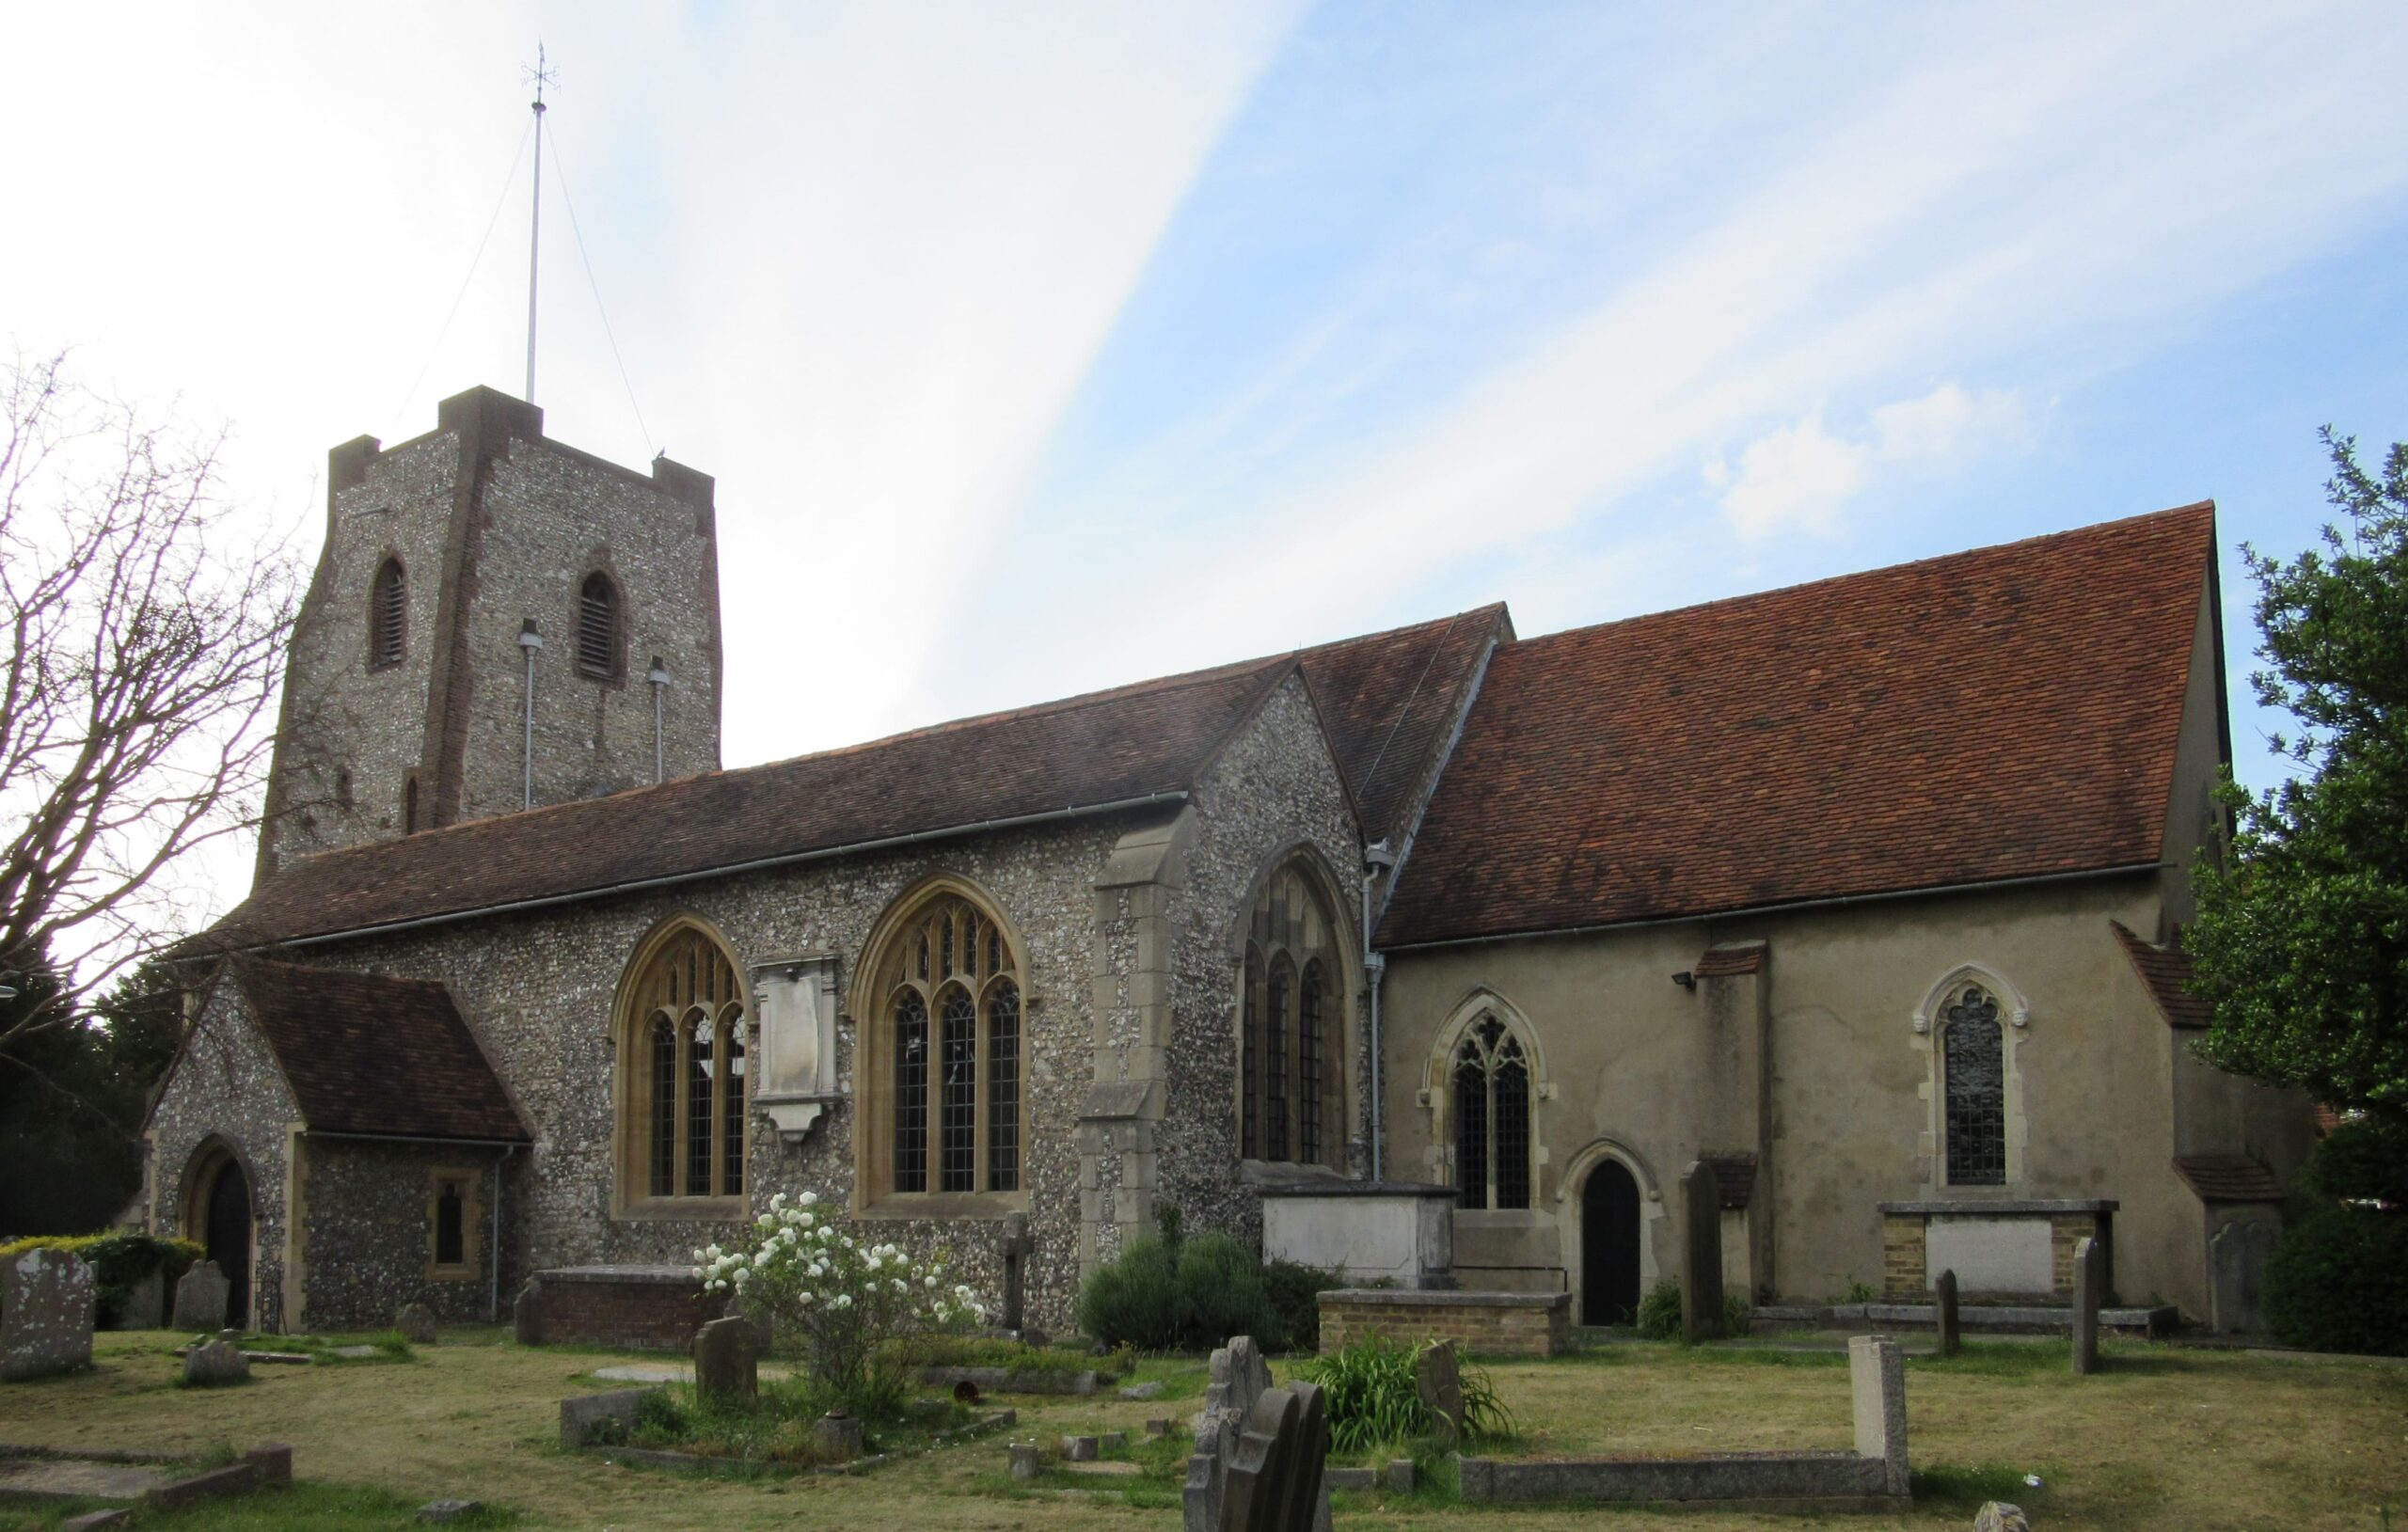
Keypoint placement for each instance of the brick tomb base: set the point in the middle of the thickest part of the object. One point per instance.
(1492, 1324)
(635, 1308)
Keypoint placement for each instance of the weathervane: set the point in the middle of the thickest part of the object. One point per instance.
(540, 76)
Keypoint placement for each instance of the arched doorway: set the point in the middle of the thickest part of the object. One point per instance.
(225, 1233)
(1610, 1213)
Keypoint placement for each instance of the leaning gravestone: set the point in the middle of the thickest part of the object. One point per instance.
(2089, 1278)
(45, 1315)
(201, 1299)
(1701, 1254)
(1239, 1377)
(727, 1356)
(1439, 1379)
(145, 1305)
(1943, 1294)
(527, 1313)
(415, 1321)
(1274, 1476)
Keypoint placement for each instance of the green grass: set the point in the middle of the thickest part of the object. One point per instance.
(1966, 1486)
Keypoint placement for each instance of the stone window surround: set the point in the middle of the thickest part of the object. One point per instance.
(1341, 1027)
(871, 1012)
(598, 564)
(2016, 1012)
(1437, 1097)
(631, 1199)
(377, 660)
(1565, 1200)
(470, 1182)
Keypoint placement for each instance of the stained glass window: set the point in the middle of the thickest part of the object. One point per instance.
(1275, 1061)
(1973, 1080)
(664, 1109)
(959, 1127)
(1492, 1100)
(1250, 1055)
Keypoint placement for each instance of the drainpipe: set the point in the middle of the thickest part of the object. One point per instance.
(659, 676)
(530, 640)
(1378, 858)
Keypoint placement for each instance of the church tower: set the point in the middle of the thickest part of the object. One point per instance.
(498, 620)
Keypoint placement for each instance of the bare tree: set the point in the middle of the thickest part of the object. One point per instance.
(147, 633)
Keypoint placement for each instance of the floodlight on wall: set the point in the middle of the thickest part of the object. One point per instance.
(1685, 978)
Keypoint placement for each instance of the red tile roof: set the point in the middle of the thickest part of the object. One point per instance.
(366, 1054)
(2006, 713)
(2227, 1178)
(1384, 698)
(1731, 961)
(2166, 973)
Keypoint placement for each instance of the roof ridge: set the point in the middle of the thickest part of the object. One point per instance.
(1853, 576)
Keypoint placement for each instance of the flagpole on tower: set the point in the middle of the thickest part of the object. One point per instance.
(542, 75)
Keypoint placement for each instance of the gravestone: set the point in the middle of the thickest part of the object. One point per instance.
(444, 1513)
(415, 1321)
(1876, 1379)
(1080, 1448)
(1238, 1378)
(1701, 1254)
(1440, 1378)
(145, 1306)
(1273, 1482)
(527, 1313)
(45, 1315)
(727, 1356)
(1025, 1462)
(588, 1419)
(201, 1299)
(2089, 1278)
(1943, 1294)
(2237, 1276)
(215, 1362)
(1017, 1246)
(838, 1436)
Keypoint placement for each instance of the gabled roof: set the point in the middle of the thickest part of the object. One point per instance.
(2002, 714)
(368, 1054)
(2166, 973)
(1381, 697)
(2227, 1178)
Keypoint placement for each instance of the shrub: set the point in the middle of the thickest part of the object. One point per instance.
(1293, 1292)
(1659, 1312)
(1134, 1299)
(1220, 1294)
(1372, 1391)
(118, 1261)
(850, 1302)
(2337, 1281)
(1161, 1295)
(2366, 1160)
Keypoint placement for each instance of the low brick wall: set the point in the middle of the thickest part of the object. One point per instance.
(637, 1308)
(1838, 1479)
(1492, 1324)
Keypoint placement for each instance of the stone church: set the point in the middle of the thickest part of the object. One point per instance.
(1864, 892)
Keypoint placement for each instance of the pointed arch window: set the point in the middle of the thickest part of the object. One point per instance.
(1290, 1055)
(598, 647)
(1492, 1118)
(683, 1118)
(1973, 1069)
(388, 616)
(948, 1053)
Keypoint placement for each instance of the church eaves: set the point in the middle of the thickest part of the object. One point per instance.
(2004, 714)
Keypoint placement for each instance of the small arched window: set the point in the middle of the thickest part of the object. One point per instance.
(1492, 1100)
(949, 1120)
(1291, 1061)
(684, 1116)
(1973, 1073)
(598, 628)
(388, 616)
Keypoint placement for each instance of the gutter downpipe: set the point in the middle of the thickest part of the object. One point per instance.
(530, 640)
(493, 1246)
(733, 869)
(1377, 858)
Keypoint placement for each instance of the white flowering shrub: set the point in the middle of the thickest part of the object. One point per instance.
(848, 1301)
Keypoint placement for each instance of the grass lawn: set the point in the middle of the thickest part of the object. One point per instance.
(2164, 1439)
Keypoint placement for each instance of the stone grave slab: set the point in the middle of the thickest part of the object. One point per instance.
(44, 1478)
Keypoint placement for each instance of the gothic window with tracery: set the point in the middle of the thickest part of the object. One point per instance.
(388, 616)
(1973, 1087)
(1291, 1061)
(686, 1107)
(1492, 1118)
(949, 1120)
(598, 628)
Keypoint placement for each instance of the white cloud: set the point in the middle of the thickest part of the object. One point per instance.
(1796, 478)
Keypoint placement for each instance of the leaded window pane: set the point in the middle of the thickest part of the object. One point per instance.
(959, 1123)
(1308, 1081)
(1471, 1127)
(451, 1240)
(1250, 1062)
(1974, 1070)
(1511, 1084)
(1003, 1087)
(912, 1092)
(1275, 1063)
(698, 1110)
(664, 1109)
(732, 1122)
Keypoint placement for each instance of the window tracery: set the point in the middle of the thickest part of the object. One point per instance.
(1973, 1087)
(1492, 1118)
(686, 1101)
(1291, 1059)
(949, 1120)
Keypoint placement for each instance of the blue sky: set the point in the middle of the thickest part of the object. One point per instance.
(1041, 348)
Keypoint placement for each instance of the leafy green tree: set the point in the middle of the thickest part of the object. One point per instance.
(2302, 940)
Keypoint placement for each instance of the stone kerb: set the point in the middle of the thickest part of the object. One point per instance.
(45, 1315)
(201, 1299)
